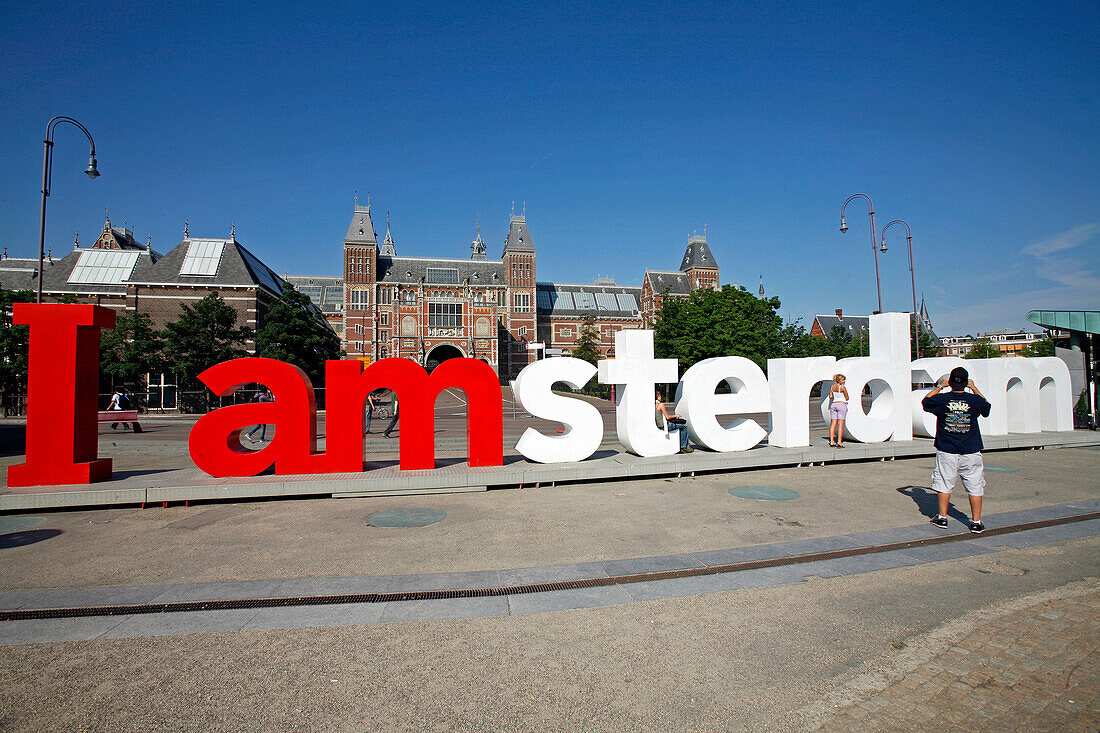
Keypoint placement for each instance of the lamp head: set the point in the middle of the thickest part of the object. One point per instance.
(882, 247)
(92, 172)
(843, 225)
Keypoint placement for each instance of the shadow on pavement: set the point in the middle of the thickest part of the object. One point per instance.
(928, 502)
(27, 537)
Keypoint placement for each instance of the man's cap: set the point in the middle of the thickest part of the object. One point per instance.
(959, 378)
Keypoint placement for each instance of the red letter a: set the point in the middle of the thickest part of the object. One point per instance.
(62, 394)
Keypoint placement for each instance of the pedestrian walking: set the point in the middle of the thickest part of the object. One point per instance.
(368, 413)
(117, 401)
(958, 444)
(393, 420)
(263, 396)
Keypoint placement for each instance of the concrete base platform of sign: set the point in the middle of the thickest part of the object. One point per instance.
(384, 478)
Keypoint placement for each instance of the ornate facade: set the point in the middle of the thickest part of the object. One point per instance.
(433, 309)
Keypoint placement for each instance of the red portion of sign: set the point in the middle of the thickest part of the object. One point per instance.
(416, 394)
(62, 394)
(215, 440)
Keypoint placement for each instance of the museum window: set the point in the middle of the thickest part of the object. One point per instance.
(444, 315)
(161, 393)
(385, 296)
(384, 319)
(383, 335)
(522, 303)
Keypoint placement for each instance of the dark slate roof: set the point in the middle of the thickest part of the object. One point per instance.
(17, 273)
(561, 300)
(519, 239)
(361, 228)
(237, 267)
(675, 283)
(410, 270)
(698, 254)
(854, 325)
(125, 238)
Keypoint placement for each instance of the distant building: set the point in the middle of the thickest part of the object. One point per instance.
(1008, 342)
(118, 272)
(432, 309)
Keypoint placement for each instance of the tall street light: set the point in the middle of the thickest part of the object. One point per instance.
(47, 169)
(912, 277)
(874, 242)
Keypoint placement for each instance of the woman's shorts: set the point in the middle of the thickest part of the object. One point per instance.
(838, 410)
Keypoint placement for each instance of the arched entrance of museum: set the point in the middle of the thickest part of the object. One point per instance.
(441, 353)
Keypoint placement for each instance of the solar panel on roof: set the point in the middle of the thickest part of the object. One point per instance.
(542, 299)
(202, 258)
(606, 301)
(584, 301)
(103, 267)
(563, 301)
(627, 302)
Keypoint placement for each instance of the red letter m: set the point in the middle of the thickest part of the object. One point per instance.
(416, 395)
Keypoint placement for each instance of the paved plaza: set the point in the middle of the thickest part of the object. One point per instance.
(991, 632)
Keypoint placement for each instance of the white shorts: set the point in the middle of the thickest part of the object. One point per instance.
(966, 466)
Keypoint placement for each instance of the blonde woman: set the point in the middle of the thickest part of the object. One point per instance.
(838, 410)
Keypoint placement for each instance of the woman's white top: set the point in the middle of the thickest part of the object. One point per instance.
(838, 396)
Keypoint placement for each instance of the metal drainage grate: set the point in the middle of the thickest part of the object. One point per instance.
(764, 493)
(432, 595)
(407, 517)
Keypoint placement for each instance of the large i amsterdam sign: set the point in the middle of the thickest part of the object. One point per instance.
(1027, 395)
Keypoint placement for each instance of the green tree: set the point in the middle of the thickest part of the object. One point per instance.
(131, 350)
(927, 346)
(294, 333)
(1039, 347)
(726, 322)
(13, 344)
(205, 334)
(983, 349)
(587, 340)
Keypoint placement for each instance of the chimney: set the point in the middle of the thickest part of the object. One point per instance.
(840, 313)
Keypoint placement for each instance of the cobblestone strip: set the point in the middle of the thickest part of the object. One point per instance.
(1031, 668)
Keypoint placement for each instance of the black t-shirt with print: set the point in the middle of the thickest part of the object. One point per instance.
(957, 420)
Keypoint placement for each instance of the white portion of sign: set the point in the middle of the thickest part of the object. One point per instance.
(1025, 395)
(583, 424)
(700, 406)
(789, 383)
(635, 372)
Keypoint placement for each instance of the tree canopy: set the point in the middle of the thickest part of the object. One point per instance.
(13, 343)
(293, 333)
(205, 334)
(131, 349)
(726, 322)
(983, 349)
(585, 346)
(1039, 347)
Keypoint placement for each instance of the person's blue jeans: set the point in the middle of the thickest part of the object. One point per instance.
(684, 435)
(367, 415)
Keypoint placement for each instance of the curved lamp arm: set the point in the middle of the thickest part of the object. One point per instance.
(874, 238)
(912, 276)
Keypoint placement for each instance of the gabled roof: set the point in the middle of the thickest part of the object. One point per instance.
(519, 239)
(698, 254)
(361, 228)
(855, 325)
(662, 281)
(410, 271)
(235, 266)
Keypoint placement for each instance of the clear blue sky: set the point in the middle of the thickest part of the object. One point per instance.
(623, 128)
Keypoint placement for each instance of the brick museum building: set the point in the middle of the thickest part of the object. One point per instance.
(496, 310)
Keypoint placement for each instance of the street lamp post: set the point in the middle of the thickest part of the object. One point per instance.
(912, 277)
(47, 169)
(874, 242)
